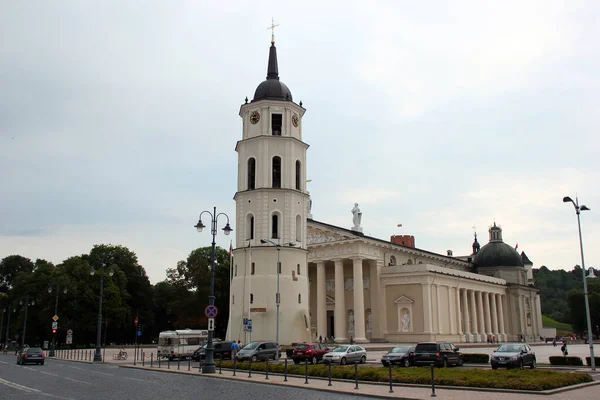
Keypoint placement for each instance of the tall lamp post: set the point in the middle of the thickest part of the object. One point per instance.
(4, 309)
(55, 313)
(578, 210)
(277, 296)
(7, 325)
(28, 302)
(97, 354)
(209, 363)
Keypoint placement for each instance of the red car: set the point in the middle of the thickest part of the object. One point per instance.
(313, 352)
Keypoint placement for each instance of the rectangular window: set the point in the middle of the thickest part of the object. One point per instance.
(252, 269)
(276, 122)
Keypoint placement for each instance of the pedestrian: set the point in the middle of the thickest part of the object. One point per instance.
(554, 342)
(320, 339)
(234, 350)
(564, 349)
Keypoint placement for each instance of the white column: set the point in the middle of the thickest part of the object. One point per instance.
(494, 315)
(427, 317)
(321, 300)
(438, 310)
(465, 308)
(481, 326)
(458, 313)
(501, 318)
(521, 308)
(340, 303)
(486, 313)
(451, 305)
(359, 301)
(475, 328)
(378, 312)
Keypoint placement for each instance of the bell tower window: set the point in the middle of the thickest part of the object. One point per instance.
(276, 122)
(275, 226)
(251, 174)
(276, 172)
(298, 168)
(249, 227)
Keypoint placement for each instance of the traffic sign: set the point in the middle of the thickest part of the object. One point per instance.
(55, 318)
(70, 332)
(211, 324)
(135, 321)
(249, 326)
(69, 339)
(211, 311)
(55, 325)
(245, 321)
(139, 333)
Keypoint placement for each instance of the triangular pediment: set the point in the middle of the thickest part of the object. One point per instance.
(403, 300)
(317, 235)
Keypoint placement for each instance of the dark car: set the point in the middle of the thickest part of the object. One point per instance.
(513, 355)
(401, 355)
(441, 354)
(31, 355)
(312, 352)
(220, 350)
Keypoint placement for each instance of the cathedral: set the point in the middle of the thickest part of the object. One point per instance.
(295, 278)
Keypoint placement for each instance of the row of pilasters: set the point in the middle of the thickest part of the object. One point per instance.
(480, 315)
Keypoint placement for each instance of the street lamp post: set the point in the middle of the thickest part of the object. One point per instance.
(578, 210)
(277, 296)
(55, 313)
(2, 322)
(7, 326)
(27, 304)
(209, 362)
(97, 354)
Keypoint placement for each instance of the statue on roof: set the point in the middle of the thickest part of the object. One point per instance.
(356, 216)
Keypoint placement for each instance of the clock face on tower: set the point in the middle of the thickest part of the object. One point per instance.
(295, 120)
(254, 117)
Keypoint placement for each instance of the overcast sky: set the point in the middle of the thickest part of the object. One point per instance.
(118, 120)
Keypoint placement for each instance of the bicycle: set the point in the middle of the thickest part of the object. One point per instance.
(121, 355)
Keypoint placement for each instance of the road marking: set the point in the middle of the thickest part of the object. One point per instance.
(75, 380)
(136, 379)
(31, 369)
(48, 373)
(102, 373)
(81, 369)
(17, 386)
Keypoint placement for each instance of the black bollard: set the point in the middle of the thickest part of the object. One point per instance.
(285, 371)
(189, 363)
(306, 371)
(391, 389)
(178, 362)
(432, 381)
(143, 358)
(267, 370)
(250, 370)
(158, 358)
(199, 364)
(220, 364)
(329, 373)
(356, 376)
(168, 362)
(151, 360)
(234, 364)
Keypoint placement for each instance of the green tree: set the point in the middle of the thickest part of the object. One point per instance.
(577, 307)
(10, 268)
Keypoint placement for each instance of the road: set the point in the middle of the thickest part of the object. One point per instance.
(80, 381)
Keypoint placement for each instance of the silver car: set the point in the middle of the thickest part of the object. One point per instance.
(346, 354)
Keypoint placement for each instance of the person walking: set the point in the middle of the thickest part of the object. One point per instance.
(564, 349)
(234, 350)
(321, 339)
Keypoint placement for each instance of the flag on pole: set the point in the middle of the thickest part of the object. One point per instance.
(517, 246)
(231, 248)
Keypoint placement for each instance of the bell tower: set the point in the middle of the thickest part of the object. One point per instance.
(271, 215)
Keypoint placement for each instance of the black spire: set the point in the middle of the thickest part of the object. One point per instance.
(272, 70)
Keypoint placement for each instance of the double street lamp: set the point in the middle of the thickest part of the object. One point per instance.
(97, 354)
(28, 302)
(277, 296)
(578, 210)
(56, 314)
(209, 363)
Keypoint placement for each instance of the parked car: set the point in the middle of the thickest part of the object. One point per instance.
(511, 355)
(346, 354)
(401, 355)
(220, 349)
(258, 351)
(312, 352)
(441, 354)
(31, 355)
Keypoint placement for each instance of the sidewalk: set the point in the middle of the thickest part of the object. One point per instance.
(381, 390)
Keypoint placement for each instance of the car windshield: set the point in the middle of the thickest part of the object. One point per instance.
(34, 350)
(401, 349)
(251, 346)
(302, 347)
(340, 349)
(509, 348)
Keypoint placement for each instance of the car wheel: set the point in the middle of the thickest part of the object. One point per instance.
(363, 359)
(520, 364)
(494, 367)
(533, 364)
(314, 360)
(460, 362)
(343, 361)
(254, 358)
(445, 363)
(406, 362)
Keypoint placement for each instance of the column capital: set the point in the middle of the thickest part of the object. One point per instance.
(320, 263)
(336, 259)
(356, 258)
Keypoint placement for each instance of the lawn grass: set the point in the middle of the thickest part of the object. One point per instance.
(534, 380)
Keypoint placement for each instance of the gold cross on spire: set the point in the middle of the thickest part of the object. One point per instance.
(272, 28)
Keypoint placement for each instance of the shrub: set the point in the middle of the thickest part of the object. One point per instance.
(588, 361)
(560, 360)
(475, 358)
